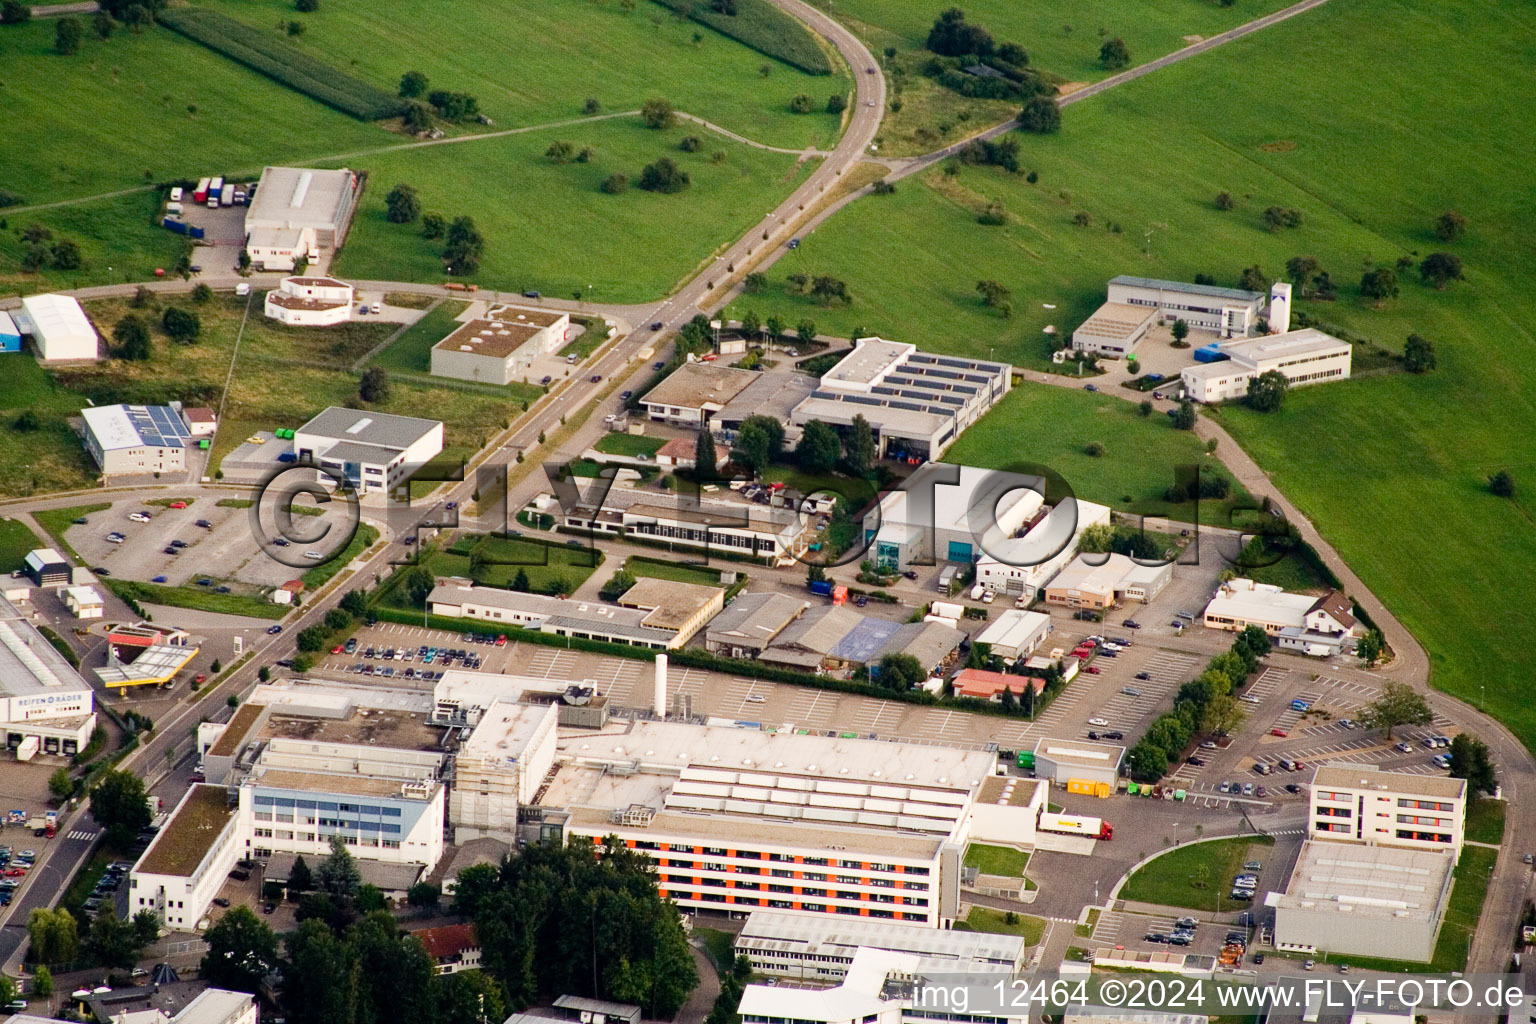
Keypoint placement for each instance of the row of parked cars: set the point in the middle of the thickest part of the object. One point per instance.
(13, 868)
(106, 886)
(1182, 935)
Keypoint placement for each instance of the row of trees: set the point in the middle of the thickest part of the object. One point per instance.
(43, 250)
(465, 247)
(1205, 704)
(825, 288)
(54, 938)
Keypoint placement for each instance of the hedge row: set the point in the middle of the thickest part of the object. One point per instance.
(268, 54)
(763, 27)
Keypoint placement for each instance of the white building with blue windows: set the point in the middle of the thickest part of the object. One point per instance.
(375, 451)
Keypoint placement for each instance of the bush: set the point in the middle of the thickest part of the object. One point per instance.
(763, 27)
(1040, 115)
(664, 176)
(802, 104)
(690, 144)
(1093, 449)
(266, 54)
(615, 183)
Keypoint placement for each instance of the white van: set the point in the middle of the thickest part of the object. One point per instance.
(242, 289)
(176, 195)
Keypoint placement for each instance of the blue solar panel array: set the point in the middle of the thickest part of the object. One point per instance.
(158, 425)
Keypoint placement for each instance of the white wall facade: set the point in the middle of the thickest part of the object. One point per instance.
(273, 820)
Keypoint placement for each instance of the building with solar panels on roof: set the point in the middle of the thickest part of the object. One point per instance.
(136, 439)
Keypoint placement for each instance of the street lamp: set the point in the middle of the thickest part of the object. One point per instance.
(1175, 833)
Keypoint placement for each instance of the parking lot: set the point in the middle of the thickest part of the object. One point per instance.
(225, 551)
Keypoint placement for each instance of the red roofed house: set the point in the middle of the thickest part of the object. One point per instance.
(453, 946)
(200, 421)
(985, 685)
(678, 453)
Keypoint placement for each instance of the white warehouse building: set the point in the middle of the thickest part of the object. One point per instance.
(1227, 312)
(129, 440)
(296, 212)
(501, 347)
(45, 707)
(1307, 356)
(59, 328)
(373, 450)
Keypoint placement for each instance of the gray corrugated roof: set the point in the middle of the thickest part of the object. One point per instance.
(820, 629)
(928, 642)
(758, 617)
(382, 428)
(1193, 289)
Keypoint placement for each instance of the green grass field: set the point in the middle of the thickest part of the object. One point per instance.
(996, 860)
(1060, 37)
(1391, 467)
(1196, 876)
(50, 458)
(412, 351)
(655, 568)
(506, 557)
(201, 598)
(98, 121)
(118, 237)
(1051, 426)
(541, 62)
(16, 539)
(632, 445)
(548, 227)
(1485, 820)
(985, 919)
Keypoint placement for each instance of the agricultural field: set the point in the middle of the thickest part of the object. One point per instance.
(1061, 37)
(549, 227)
(16, 539)
(116, 116)
(541, 63)
(118, 237)
(1052, 426)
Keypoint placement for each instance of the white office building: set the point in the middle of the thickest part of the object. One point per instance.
(806, 948)
(1363, 804)
(310, 302)
(1305, 357)
(1115, 329)
(45, 707)
(374, 451)
(59, 328)
(186, 864)
(500, 768)
(1226, 312)
(1100, 581)
(1020, 567)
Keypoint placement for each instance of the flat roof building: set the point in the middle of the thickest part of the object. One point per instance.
(1239, 603)
(1361, 803)
(823, 948)
(659, 617)
(372, 450)
(750, 622)
(1065, 761)
(1107, 583)
(181, 871)
(694, 392)
(1021, 566)
(1304, 357)
(59, 327)
(722, 523)
(1227, 312)
(296, 212)
(500, 347)
(500, 768)
(1380, 901)
(917, 403)
(309, 302)
(773, 394)
(130, 440)
(1115, 329)
(1016, 634)
(43, 700)
(944, 512)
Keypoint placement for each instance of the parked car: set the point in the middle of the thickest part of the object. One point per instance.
(1098, 721)
(274, 629)
(205, 524)
(1130, 691)
(178, 504)
(1131, 624)
(220, 901)
(656, 325)
(1114, 735)
(1143, 675)
(1277, 731)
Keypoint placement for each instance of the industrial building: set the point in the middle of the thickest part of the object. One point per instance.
(1114, 329)
(657, 614)
(836, 637)
(45, 707)
(1305, 357)
(185, 865)
(1379, 901)
(1099, 582)
(47, 568)
(774, 394)
(916, 403)
(822, 948)
(296, 212)
(373, 450)
(1015, 634)
(309, 302)
(1066, 761)
(500, 768)
(1020, 567)
(694, 392)
(84, 602)
(132, 440)
(721, 523)
(61, 332)
(1363, 804)
(1226, 312)
(948, 513)
(749, 624)
(500, 347)
(1301, 621)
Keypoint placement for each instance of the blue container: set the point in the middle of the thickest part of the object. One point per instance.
(1211, 353)
(177, 226)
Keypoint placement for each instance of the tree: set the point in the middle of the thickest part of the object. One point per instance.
(801, 103)
(202, 294)
(417, 116)
(830, 289)
(13, 12)
(1040, 115)
(1253, 279)
(374, 387)
(805, 330)
(561, 151)
(618, 584)
(591, 106)
(60, 784)
(1184, 416)
(299, 877)
(1397, 704)
(306, 6)
(42, 982)
(520, 581)
(1470, 760)
(146, 927)
(453, 106)
(615, 183)
(1180, 330)
(1418, 354)
(900, 672)
(65, 255)
(861, 446)
(818, 449)
(424, 894)
(837, 103)
(705, 458)
(1501, 484)
(658, 113)
(469, 997)
(1147, 761)
(120, 805)
(112, 940)
(241, 951)
(296, 28)
(1266, 392)
(320, 978)
(994, 294)
(131, 338)
(1299, 269)
(465, 247)
(67, 33)
(1439, 269)
(338, 875)
(182, 325)
(752, 446)
(413, 85)
(953, 36)
(54, 936)
(354, 603)
(1450, 226)
(664, 176)
(1224, 201)
(1114, 54)
(1222, 715)
(1379, 284)
(312, 639)
(1145, 407)
(402, 205)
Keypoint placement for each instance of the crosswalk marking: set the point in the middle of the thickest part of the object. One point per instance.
(81, 833)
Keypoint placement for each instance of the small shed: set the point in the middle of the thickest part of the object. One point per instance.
(47, 568)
